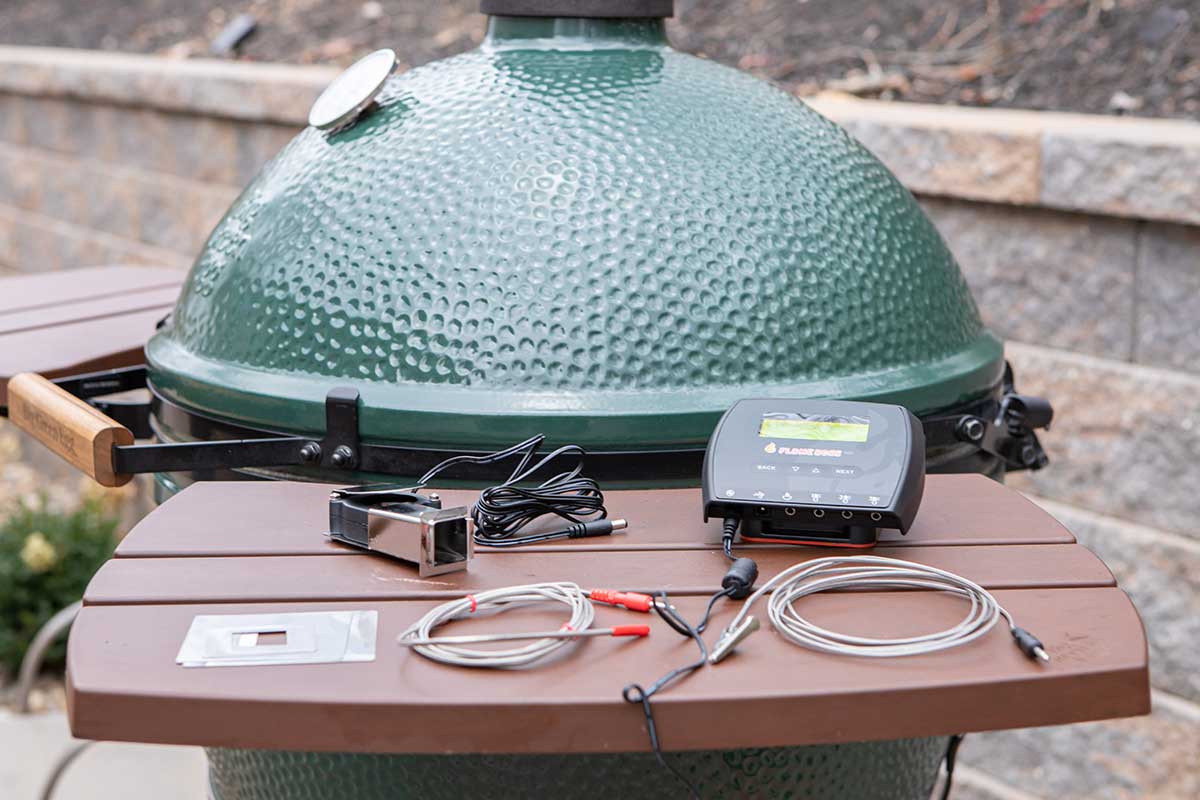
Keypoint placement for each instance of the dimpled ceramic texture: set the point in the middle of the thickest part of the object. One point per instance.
(609, 244)
(903, 769)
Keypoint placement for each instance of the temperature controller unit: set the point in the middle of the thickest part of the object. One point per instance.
(829, 472)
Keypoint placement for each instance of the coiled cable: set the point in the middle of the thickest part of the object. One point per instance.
(872, 572)
(504, 510)
(420, 636)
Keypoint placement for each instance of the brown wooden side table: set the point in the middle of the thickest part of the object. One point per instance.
(303, 730)
(81, 320)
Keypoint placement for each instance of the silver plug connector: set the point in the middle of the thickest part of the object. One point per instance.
(731, 638)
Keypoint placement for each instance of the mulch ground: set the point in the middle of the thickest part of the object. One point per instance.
(1139, 57)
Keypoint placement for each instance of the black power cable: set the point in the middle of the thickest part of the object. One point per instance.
(502, 511)
(951, 756)
(729, 529)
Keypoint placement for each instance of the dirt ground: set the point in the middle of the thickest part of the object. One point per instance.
(1138, 57)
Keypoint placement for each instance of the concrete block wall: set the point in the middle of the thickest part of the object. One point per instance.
(1079, 235)
(106, 158)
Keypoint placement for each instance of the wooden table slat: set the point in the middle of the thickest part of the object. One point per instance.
(81, 311)
(83, 347)
(80, 320)
(47, 289)
(126, 581)
(288, 519)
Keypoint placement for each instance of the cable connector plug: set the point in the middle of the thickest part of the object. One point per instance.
(596, 527)
(1030, 645)
(729, 529)
(631, 601)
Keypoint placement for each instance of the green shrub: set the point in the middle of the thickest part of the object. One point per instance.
(46, 561)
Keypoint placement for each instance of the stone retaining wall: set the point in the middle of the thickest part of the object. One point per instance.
(1113, 166)
(1080, 236)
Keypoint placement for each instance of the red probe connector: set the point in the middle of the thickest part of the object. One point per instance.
(631, 630)
(633, 601)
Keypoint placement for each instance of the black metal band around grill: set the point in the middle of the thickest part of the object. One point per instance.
(998, 429)
(340, 449)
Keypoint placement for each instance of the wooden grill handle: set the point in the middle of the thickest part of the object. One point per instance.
(68, 426)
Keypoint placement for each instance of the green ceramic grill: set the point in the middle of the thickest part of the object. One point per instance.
(578, 231)
(573, 230)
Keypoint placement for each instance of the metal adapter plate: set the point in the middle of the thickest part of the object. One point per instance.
(313, 637)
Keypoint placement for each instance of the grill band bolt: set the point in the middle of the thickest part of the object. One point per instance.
(342, 457)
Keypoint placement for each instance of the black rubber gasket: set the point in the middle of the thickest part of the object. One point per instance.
(597, 9)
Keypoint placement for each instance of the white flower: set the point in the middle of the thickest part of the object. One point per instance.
(38, 554)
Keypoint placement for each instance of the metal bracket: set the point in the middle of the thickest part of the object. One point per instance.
(189, 456)
(96, 384)
(1007, 430)
(133, 414)
(338, 449)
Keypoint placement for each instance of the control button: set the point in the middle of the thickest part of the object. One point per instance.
(815, 471)
(845, 472)
(845, 498)
(795, 467)
(730, 492)
(816, 497)
(760, 495)
(787, 495)
(873, 500)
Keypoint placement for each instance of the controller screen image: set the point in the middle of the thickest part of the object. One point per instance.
(816, 427)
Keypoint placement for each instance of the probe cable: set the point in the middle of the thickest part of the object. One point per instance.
(636, 694)
(870, 572)
(736, 585)
(455, 650)
(502, 511)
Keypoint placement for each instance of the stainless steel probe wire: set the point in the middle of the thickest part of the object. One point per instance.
(420, 636)
(868, 572)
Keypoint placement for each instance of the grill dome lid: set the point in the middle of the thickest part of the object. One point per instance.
(575, 230)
